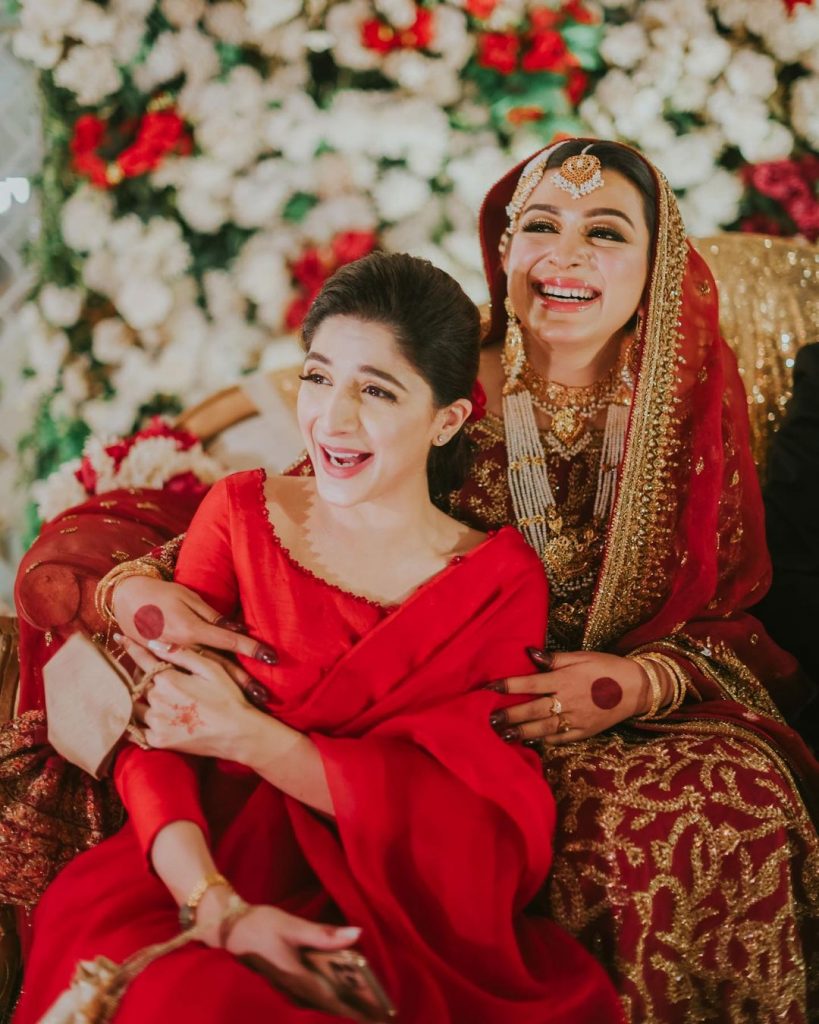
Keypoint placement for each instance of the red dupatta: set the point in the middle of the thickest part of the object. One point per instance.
(685, 554)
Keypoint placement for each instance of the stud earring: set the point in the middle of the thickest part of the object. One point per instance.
(440, 439)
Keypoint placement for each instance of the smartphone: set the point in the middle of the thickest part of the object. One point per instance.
(352, 980)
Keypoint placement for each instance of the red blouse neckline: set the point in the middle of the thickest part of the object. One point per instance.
(303, 569)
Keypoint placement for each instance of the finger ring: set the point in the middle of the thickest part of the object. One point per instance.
(564, 725)
(147, 678)
(557, 707)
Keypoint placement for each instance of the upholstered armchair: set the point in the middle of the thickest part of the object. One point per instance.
(769, 308)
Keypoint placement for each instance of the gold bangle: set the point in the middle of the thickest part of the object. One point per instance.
(109, 581)
(234, 912)
(655, 684)
(680, 680)
(187, 912)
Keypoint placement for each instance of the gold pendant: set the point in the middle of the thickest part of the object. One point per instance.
(567, 426)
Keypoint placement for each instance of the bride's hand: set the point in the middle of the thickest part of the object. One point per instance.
(269, 940)
(151, 609)
(575, 695)
(196, 706)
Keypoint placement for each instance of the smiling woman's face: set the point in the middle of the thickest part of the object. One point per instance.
(366, 414)
(576, 268)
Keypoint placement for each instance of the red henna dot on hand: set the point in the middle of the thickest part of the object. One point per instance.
(606, 693)
(149, 621)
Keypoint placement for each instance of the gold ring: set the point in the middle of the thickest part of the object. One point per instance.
(564, 725)
(557, 707)
(147, 678)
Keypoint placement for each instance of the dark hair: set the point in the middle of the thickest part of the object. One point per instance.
(437, 329)
(617, 158)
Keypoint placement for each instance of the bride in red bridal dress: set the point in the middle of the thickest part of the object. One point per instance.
(355, 793)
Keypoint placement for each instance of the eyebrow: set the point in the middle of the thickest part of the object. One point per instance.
(372, 370)
(599, 211)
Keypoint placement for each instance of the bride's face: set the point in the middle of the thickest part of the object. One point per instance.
(367, 416)
(576, 268)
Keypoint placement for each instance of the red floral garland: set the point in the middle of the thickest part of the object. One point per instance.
(160, 131)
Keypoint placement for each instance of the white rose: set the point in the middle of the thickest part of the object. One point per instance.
(690, 94)
(258, 198)
(399, 194)
(37, 49)
(343, 23)
(99, 273)
(127, 39)
(689, 159)
(110, 418)
(162, 63)
(805, 108)
(45, 15)
(110, 340)
(222, 296)
(198, 54)
(262, 274)
(452, 39)
(624, 45)
(342, 213)
(775, 144)
(707, 56)
(428, 75)
(400, 13)
(266, 14)
(61, 306)
(92, 25)
(464, 246)
(706, 208)
(182, 13)
(295, 128)
(751, 74)
(47, 351)
(474, 173)
(90, 73)
(227, 21)
(143, 302)
(74, 381)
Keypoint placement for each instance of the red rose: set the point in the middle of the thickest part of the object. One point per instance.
(499, 51)
(547, 52)
(419, 34)
(159, 427)
(761, 224)
(577, 82)
(160, 132)
(310, 270)
(524, 115)
(791, 5)
(804, 212)
(543, 19)
(352, 245)
(378, 35)
(478, 398)
(576, 10)
(778, 179)
(480, 8)
(297, 311)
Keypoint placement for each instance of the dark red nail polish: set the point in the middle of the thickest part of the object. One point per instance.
(511, 735)
(266, 655)
(498, 719)
(499, 687)
(234, 627)
(543, 659)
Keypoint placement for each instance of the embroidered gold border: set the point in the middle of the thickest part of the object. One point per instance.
(631, 575)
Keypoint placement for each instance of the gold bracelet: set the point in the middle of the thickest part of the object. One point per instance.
(187, 912)
(109, 581)
(234, 912)
(655, 683)
(680, 680)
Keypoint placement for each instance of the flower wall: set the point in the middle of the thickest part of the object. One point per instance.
(210, 163)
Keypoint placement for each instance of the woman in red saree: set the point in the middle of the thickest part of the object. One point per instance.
(685, 856)
(366, 785)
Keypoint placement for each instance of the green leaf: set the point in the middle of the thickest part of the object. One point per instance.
(298, 206)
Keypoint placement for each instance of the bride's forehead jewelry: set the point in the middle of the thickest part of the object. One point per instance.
(579, 175)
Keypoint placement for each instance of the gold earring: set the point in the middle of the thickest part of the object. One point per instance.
(514, 354)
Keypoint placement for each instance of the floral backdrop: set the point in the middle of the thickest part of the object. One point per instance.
(208, 164)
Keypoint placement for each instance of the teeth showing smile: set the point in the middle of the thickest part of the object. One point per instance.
(578, 294)
(342, 459)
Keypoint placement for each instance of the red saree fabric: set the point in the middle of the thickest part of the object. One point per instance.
(441, 836)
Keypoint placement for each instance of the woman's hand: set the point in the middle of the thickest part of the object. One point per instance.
(151, 609)
(577, 694)
(269, 940)
(197, 706)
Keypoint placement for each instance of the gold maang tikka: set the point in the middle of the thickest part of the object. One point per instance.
(580, 174)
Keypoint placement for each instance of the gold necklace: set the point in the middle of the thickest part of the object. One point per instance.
(532, 495)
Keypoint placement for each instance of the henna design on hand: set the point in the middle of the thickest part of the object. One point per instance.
(187, 716)
(149, 621)
(606, 693)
